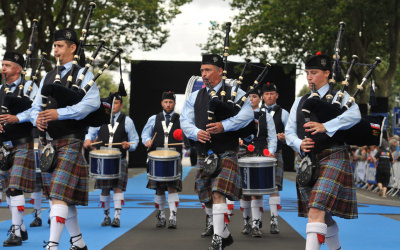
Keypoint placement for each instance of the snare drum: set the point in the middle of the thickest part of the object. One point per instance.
(105, 164)
(37, 158)
(164, 165)
(258, 175)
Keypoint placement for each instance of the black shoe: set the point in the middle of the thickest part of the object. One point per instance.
(274, 228)
(50, 244)
(161, 222)
(12, 240)
(247, 227)
(37, 222)
(74, 247)
(115, 222)
(256, 233)
(24, 235)
(219, 243)
(172, 223)
(106, 222)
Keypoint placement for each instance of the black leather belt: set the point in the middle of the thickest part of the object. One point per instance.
(21, 141)
(71, 136)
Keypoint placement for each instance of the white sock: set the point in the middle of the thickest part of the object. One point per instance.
(257, 207)
(106, 202)
(332, 237)
(231, 206)
(173, 201)
(118, 199)
(37, 200)
(209, 213)
(159, 201)
(219, 211)
(245, 206)
(274, 201)
(16, 214)
(73, 227)
(315, 235)
(56, 228)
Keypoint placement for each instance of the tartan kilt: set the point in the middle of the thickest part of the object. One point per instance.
(279, 170)
(121, 182)
(228, 182)
(334, 191)
(69, 180)
(22, 175)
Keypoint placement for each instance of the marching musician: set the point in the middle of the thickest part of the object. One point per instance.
(223, 139)
(270, 95)
(121, 130)
(333, 194)
(22, 175)
(159, 126)
(253, 206)
(69, 180)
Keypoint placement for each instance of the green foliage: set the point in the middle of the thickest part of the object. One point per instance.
(304, 90)
(287, 31)
(130, 24)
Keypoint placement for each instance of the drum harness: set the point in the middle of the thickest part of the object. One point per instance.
(166, 131)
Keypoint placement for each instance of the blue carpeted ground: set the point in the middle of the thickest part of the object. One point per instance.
(370, 231)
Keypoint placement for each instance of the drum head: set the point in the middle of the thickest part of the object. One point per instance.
(255, 159)
(105, 152)
(164, 154)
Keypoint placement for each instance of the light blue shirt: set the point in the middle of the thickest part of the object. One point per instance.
(240, 120)
(24, 116)
(129, 129)
(148, 130)
(89, 103)
(344, 121)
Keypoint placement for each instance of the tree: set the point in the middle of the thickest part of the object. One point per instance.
(286, 31)
(130, 24)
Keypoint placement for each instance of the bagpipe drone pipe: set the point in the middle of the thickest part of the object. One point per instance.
(370, 128)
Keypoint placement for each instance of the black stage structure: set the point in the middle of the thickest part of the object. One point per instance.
(149, 79)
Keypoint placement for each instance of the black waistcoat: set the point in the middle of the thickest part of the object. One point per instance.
(159, 139)
(260, 139)
(59, 128)
(219, 142)
(18, 130)
(119, 136)
(322, 140)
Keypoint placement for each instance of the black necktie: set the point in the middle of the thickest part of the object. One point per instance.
(269, 109)
(167, 119)
(60, 69)
(112, 121)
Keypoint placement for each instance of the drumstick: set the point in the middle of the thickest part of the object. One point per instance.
(152, 139)
(98, 142)
(119, 143)
(174, 144)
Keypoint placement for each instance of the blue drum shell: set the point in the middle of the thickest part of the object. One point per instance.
(105, 165)
(258, 175)
(164, 165)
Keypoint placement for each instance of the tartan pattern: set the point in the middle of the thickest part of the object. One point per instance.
(228, 182)
(334, 191)
(22, 175)
(69, 180)
(279, 170)
(121, 182)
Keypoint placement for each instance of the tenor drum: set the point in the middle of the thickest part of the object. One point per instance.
(258, 175)
(105, 163)
(164, 165)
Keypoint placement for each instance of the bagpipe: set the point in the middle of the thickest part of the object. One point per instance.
(370, 128)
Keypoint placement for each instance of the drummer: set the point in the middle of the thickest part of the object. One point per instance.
(264, 137)
(280, 116)
(152, 137)
(124, 133)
